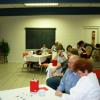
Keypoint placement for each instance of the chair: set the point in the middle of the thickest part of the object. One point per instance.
(97, 73)
(26, 64)
(3, 58)
(43, 66)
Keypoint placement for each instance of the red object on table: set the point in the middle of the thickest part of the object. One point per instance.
(43, 88)
(34, 85)
(54, 62)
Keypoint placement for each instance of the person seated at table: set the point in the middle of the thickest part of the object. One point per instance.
(58, 47)
(96, 56)
(96, 53)
(87, 87)
(59, 58)
(69, 75)
(60, 52)
(68, 50)
(88, 51)
(70, 78)
(80, 47)
(54, 81)
(54, 47)
(44, 49)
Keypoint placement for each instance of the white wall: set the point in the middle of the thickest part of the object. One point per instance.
(69, 30)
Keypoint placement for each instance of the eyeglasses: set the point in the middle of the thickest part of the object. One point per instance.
(69, 62)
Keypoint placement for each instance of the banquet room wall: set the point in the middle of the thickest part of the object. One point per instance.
(69, 30)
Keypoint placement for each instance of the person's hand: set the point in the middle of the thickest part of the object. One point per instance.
(58, 65)
(58, 93)
(56, 74)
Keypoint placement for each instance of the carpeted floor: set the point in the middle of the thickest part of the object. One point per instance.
(11, 76)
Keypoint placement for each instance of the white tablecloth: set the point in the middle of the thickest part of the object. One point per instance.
(25, 94)
(37, 58)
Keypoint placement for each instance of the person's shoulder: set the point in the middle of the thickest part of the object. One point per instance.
(68, 71)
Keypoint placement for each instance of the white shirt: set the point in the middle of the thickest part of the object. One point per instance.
(87, 88)
(60, 59)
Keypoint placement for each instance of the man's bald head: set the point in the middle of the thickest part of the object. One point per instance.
(72, 60)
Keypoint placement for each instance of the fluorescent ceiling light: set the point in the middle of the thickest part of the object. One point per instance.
(40, 4)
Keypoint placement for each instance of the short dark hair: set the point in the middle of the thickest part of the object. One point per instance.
(74, 51)
(97, 45)
(80, 43)
(83, 65)
(60, 47)
(69, 46)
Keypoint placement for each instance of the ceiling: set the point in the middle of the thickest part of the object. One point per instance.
(17, 7)
(59, 5)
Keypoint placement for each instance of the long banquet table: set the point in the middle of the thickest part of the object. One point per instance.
(37, 58)
(25, 94)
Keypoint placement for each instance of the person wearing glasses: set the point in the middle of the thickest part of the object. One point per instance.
(70, 78)
(87, 88)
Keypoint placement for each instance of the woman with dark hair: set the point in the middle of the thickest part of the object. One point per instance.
(68, 50)
(80, 47)
(87, 88)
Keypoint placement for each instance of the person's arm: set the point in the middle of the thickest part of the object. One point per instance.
(57, 74)
(68, 81)
(63, 64)
(80, 91)
(61, 87)
(65, 55)
(62, 83)
(54, 55)
(54, 73)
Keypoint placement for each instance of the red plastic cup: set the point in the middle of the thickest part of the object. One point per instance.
(54, 62)
(34, 85)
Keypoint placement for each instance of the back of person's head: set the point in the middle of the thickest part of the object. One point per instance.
(75, 57)
(83, 65)
(74, 51)
(80, 43)
(38, 52)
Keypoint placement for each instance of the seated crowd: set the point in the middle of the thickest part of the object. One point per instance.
(73, 77)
